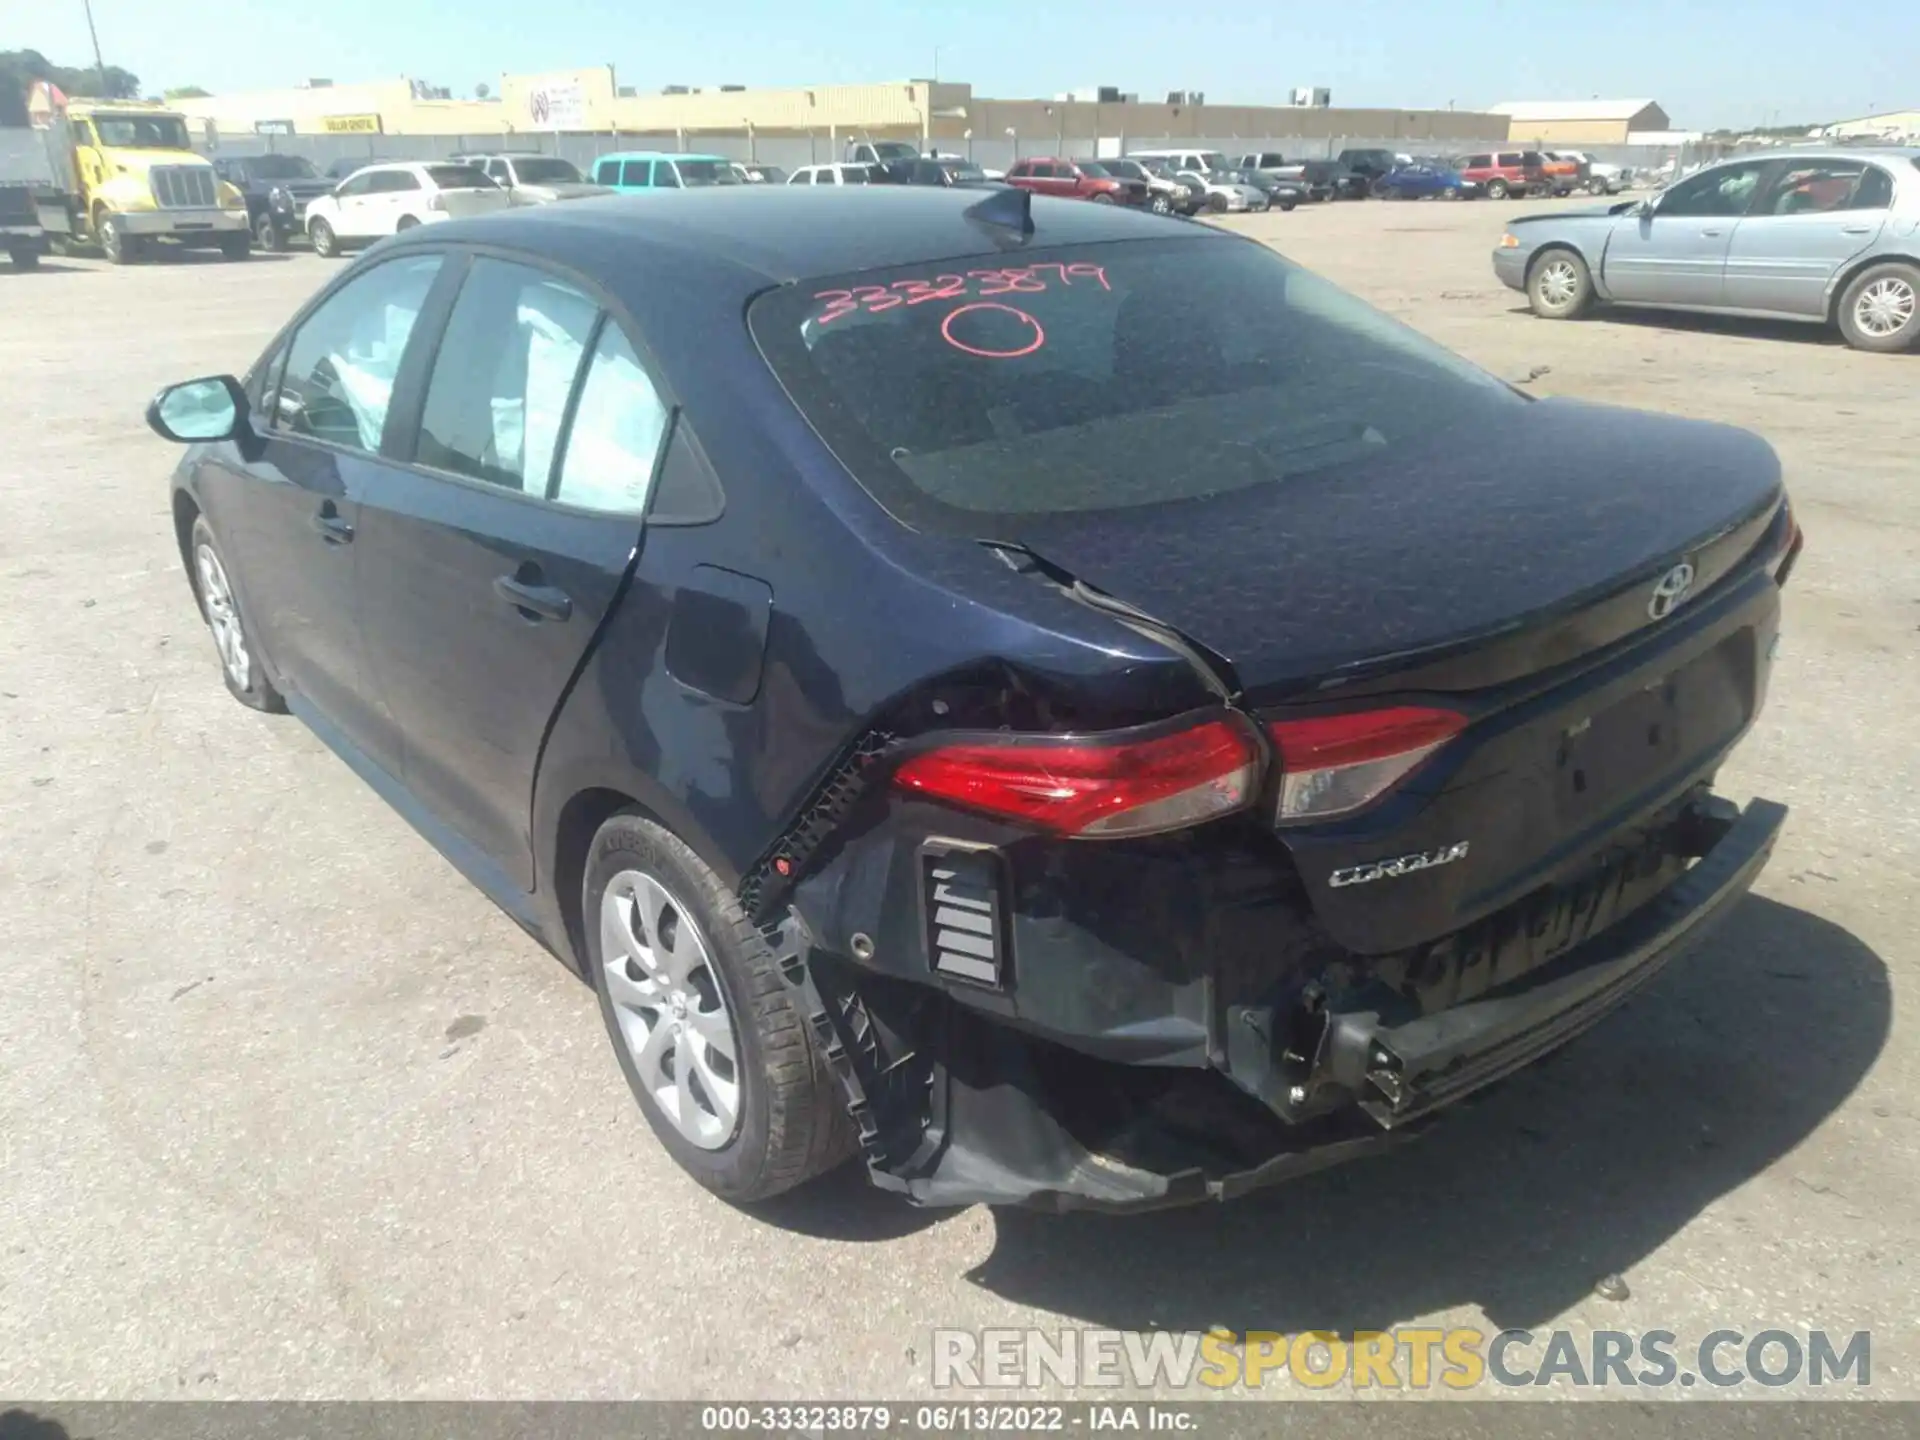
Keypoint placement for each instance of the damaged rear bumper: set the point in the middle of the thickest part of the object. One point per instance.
(980, 1113)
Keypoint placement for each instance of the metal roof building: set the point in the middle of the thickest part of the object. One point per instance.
(1580, 122)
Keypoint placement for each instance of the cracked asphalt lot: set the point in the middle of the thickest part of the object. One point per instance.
(288, 1110)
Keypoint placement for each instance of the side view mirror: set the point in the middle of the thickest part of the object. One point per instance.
(194, 411)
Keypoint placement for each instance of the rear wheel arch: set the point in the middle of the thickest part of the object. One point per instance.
(569, 826)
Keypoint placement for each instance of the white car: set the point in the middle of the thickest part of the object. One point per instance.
(1224, 195)
(383, 200)
(1603, 176)
(853, 173)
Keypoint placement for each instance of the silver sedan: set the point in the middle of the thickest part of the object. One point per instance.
(1826, 236)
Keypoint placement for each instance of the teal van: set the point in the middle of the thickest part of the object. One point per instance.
(640, 171)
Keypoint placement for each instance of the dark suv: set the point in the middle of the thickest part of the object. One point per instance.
(1365, 167)
(278, 189)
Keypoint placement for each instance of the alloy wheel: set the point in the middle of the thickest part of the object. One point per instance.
(1559, 282)
(223, 617)
(1885, 307)
(672, 1011)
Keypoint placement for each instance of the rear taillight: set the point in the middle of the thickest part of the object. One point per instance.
(1331, 764)
(1095, 787)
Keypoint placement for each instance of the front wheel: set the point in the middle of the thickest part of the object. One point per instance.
(235, 247)
(24, 257)
(1217, 204)
(705, 1027)
(1287, 202)
(1496, 190)
(1160, 205)
(1559, 285)
(407, 222)
(266, 234)
(239, 656)
(119, 247)
(1880, 310)
(325, 243)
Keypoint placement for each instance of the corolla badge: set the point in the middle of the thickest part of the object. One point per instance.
(1670, 590)
(1399, 865)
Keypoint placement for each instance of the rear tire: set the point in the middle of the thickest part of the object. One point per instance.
(683, 977)
(325, 243)
(267, 236)
(1102, 198)
(1217, 204)
(1880, 310)
(1160, 205)
(240, 662)
(407, 222)
(24, 257)
(235, 247)
(1559, 285)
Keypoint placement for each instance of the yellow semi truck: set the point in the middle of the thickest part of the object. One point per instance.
(126, 178)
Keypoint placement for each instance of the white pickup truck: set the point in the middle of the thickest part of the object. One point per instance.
(1603, 176)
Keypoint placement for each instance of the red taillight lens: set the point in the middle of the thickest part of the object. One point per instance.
(1095, 789)
(1331, 764)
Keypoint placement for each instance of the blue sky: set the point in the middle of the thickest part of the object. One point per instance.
(1711, 64)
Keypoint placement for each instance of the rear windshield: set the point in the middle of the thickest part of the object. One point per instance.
(1104, 377)
(460, 177)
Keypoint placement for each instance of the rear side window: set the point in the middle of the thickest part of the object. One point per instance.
(344, 357)
(498, 394)
(614, 442)
(972, 399)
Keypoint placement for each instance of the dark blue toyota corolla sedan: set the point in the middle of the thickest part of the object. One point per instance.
(1063, 704)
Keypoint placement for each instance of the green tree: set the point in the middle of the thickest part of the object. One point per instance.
(185, 92)
(20, 68)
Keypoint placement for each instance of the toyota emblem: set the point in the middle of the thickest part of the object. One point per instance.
(1670, 591)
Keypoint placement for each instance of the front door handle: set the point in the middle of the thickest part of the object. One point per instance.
(1856, 230)
(333, 529)
(534, 601)
(1710, 234)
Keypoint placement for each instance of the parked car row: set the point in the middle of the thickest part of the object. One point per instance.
(357, 201)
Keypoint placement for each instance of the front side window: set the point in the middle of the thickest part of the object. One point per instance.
(395, 182)
(607, 172)
(143, 132)
(344, 357)
(614, 441)
(975, 399)
(854, 175)
(707, 172)
(500, 382)
(664, 177)
(1723, 192)
(638, 175)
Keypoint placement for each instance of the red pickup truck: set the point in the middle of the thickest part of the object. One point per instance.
(1076, 180)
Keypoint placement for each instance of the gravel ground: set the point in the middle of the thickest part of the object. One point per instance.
(288, 1110)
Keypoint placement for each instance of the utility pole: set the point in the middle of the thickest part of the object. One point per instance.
(99, 65)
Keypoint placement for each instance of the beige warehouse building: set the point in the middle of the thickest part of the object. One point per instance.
(1580, 122)
(592, 101)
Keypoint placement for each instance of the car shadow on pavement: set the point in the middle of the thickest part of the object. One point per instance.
(1578, 1168)
(25, 1425)
(844, 1204)
(1694, 323)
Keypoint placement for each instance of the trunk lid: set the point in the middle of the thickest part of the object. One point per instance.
(1490, 556)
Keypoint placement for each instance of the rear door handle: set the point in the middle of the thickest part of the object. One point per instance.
(534, 602)
(1856, 230)
(332, 528)
(1710, 233)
